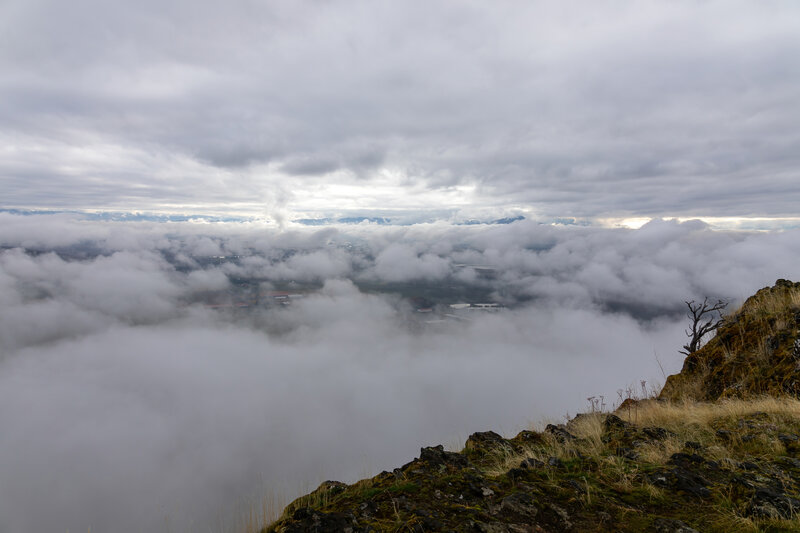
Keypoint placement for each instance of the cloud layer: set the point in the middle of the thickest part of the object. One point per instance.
(597, 109)
(126, 404)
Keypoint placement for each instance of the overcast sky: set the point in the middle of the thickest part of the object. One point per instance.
(597, 109)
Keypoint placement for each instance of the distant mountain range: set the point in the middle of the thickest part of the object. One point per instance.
(127, 216)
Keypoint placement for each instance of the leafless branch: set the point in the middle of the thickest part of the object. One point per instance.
(706, 317)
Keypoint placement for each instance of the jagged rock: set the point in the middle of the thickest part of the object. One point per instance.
(724, 434)
(332, 487)
(312, 521)
(528, 437)
(747, 465)
(691, 483)
(681, 479)
(657, 433)
(486, 441)
(682, 459)
(613, 422)
(368, 508)
(562, 514)
(666, 525)
(561, 434)
(519, 506)
(477, 486)
(530, 462)
(435, 455)
(771, 503)
(627, 453)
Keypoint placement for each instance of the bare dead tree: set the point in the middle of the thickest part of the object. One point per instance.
(706, 317)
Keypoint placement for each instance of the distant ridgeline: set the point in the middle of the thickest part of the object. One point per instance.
(125, 216)
(385, 221)
(719, 450)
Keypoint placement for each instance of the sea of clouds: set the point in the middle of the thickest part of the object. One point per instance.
(126, 407)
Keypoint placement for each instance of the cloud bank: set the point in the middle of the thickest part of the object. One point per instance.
(599, 109)
(128, 404)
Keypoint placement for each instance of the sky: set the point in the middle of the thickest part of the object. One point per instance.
(605, 161)
(601, 110)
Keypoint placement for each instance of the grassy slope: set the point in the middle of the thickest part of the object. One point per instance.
(756, 351)
(720, 451)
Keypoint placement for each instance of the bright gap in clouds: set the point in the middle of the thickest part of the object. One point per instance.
(719, 223)
(155, 373)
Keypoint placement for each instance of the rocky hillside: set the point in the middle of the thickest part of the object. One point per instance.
(755, 351)
(712, 454)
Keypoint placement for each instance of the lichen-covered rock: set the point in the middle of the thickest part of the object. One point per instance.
(772, 503)
(307, 520)
(519, 506)
(436, 455)
(559, 433)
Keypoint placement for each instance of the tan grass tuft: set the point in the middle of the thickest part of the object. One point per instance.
(678, 415)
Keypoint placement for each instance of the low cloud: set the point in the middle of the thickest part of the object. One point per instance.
(128, 404)
(401, 262)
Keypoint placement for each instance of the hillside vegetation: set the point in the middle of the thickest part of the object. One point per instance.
(719, 450)
(755, 351)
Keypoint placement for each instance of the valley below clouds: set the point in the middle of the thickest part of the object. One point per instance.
(161, 376)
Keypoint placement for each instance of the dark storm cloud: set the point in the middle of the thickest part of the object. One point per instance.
(598, 109)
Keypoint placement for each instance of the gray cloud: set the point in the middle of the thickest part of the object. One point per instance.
(591, 110)
(126, 407)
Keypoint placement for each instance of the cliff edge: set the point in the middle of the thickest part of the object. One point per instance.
(719, 450)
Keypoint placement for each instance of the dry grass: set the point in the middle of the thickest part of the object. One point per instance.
(794, 299)
(589, 430)
(688, 421)
(613, 477)
(660, 452)
(674, 416)
(733, 521)
(260, 514)
(772, 302)
(589, 427)
(692, 385)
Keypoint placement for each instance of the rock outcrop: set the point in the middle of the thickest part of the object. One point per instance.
(755, 351)
(728, 462)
